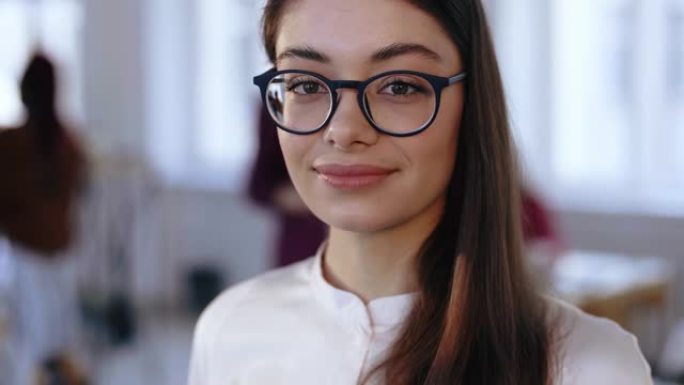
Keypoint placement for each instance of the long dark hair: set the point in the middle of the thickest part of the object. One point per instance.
(477, 320)
(38, 91)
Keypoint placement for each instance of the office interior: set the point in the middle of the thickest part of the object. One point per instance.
(160, 95)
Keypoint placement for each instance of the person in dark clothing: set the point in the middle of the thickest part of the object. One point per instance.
(42, 167)
(42, 170)
(300, 232)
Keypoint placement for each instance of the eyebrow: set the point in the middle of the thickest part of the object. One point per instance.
(383, 54)
(308, 53)
(399, 49)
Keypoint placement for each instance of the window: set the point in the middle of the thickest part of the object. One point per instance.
(53, 25)
(228, 56)
(202, 107)
(591, 93)
(674, 80)
(595, 90)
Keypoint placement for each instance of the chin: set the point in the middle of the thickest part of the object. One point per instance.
(358, 221)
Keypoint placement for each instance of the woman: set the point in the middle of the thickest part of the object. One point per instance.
(420, 280)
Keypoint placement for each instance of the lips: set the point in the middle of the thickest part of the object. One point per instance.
(352, 176)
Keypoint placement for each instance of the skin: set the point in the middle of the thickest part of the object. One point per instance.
(376, 231)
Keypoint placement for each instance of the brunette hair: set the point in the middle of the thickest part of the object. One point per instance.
(38, 90)
(477, 319)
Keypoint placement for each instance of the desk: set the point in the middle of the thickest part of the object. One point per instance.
(611, 285)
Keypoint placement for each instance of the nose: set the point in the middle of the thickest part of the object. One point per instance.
(348, 127)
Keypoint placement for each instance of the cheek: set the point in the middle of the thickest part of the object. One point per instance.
(294, 148)
(450, 128)
(434, 164)
(297, 151)
(434, 160)
(434, 153)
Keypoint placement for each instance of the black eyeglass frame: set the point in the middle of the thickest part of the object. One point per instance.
(438, 84)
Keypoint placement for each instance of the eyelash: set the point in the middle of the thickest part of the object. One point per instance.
(393, 81)
(294, 83)
(416, 88)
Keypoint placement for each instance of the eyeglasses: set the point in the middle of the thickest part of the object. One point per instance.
(397, 103)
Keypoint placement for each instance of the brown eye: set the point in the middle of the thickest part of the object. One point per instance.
(306, 87)
(311, 88)
(400, 88)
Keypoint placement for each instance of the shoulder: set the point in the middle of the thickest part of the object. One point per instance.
(256, 294)
(248, 308)
(592, 350)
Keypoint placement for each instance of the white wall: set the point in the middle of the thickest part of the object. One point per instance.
(215, 228)
(113, 76)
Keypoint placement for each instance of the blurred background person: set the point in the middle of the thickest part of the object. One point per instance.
(543, 242)
(42, 169)
(299, 232)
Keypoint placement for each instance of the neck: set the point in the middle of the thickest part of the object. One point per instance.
(382, 263)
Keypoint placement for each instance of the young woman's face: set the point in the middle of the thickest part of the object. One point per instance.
(350, 175)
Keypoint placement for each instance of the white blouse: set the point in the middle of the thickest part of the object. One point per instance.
(290, 326)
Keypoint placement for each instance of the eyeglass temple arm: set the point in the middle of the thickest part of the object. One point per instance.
(457, 78)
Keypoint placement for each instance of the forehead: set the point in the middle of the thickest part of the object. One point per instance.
(350, 31)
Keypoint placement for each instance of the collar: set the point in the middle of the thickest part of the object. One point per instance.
(378, 316)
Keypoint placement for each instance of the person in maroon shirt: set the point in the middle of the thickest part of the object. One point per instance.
(538, 225)
(300, 232)
(544, 244)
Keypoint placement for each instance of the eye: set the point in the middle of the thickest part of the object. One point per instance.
(401, 87)
(306, 86)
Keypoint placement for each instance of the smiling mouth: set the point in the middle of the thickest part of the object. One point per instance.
(352, 177)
